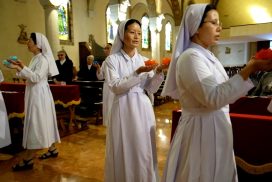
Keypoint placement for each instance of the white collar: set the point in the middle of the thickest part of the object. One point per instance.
(62, 61)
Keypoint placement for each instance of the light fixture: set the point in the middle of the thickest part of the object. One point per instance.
(260, 14)
(159, 22)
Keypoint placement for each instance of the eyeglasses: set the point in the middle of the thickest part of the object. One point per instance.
(214, 22)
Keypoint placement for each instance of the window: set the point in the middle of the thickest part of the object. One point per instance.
(64, 23)
(112, 27)
(145, 32)
(168, 36)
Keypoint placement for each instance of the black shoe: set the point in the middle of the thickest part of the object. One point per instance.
(50, 153)
(27, 164)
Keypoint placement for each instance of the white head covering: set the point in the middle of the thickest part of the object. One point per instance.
(43, 44)
(189, 26)
(118, 41)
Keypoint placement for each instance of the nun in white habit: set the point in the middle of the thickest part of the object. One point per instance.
(130, 144)
(40, 124)
(4, 122)
(202, 147)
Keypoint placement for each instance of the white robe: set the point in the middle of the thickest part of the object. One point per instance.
(40, 124)
(131, 143)
(108, 95)
(202, 147)
(4, 122)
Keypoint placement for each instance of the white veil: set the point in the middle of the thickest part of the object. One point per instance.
(189, 25)
(118, 41)
(43, 44)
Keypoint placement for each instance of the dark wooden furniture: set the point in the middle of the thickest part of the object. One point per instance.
(85, 49)
(90, 48)
(91, 99)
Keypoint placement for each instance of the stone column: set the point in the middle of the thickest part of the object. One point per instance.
(51, 25)
(155, 39)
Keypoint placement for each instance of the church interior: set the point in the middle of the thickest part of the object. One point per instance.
(83, 28)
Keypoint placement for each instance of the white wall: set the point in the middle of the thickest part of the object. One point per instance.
(13, 13)
(237, 55)
(32, 14)
(85, 24)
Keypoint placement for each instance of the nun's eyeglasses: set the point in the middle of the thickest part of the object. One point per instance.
(214, 22)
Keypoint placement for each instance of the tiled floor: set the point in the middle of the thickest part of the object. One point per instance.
(81, 155)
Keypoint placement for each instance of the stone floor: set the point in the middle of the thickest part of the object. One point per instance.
(81, 155)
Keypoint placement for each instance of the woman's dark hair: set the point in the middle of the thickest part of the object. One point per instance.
(131, 21)
(33, 37)
(207, 9)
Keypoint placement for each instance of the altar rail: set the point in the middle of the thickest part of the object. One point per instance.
(66, 96)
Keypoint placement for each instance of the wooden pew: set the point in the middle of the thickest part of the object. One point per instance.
(91, 93)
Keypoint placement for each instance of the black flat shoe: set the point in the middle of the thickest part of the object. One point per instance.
(27, 165)
(49, 154)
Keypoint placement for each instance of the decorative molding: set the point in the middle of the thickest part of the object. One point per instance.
(177, 10)
(90, 8)
(47, 5)
(22, 39)
(152, 8)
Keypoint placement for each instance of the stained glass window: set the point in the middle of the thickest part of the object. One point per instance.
(64, 22)
(145, 32)
(112, 27)
(168, 36)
